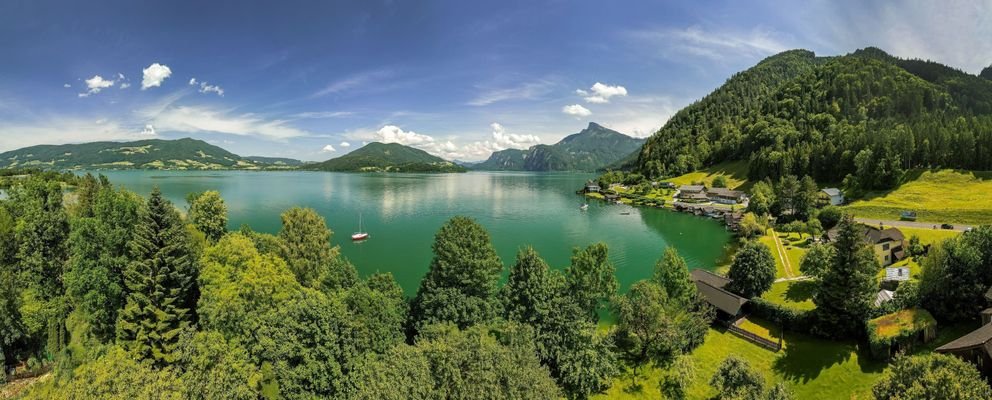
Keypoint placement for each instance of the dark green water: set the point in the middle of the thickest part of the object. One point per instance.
(402, 212)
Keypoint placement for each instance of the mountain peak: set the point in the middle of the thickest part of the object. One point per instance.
(593, 125)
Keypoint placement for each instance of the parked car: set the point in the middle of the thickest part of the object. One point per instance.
(946, 226)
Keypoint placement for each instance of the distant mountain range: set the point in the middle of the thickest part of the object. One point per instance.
(180, 154)
(386, 157)
(589, 150)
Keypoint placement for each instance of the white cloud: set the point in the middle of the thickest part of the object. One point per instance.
(67, 85)
(527, 91)
(201, 119)
(345, 144)
(328, 149)
(149, 130)
(95, 85)
(154, 75)
(500, 141)
(395, 134)
(601, 93)
(125, 85)
(206, 87)
(576, 110)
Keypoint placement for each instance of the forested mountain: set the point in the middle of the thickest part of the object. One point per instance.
(142, 154)
(986, 73)
(593, 148)
(387, 157)
(867, 115)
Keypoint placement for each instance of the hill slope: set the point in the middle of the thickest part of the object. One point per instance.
(867, 115)
(142, 154)
(387, 157)
(591, 149)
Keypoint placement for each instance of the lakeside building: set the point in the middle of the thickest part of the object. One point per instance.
(592, 187)
(726, 196)
(711, 287)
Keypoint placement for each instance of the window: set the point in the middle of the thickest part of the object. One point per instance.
(885, 247)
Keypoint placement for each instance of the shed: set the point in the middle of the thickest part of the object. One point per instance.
(711, 287)
(975, 347)
(901, 330)
(897, 274)
(884, 296)
(835, 195)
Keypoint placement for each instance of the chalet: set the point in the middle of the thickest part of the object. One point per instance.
(711, 287)
(692, 193)
(889, 244)
(725, 196)
(835, 195)
(592, 187)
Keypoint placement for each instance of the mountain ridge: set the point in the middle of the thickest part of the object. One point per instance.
(184, 153)
(588, 150)
(386, 157)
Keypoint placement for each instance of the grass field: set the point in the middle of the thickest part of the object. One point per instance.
(949, 196)
(792, 294)
(735, 172)
(929, 236)
(812, 368)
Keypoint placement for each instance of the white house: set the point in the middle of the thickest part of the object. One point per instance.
(836, 196)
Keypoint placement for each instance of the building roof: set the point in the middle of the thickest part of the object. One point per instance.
(872, 234)
(981, 337)
(832, 192)
(897, 274)
(693, 195)
(711, 286)
(709, 277)
(724, 192)
(721, 299)
(883, 296)
(692, 188)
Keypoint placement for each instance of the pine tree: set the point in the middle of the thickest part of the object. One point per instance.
(848, 287)
(161, 284)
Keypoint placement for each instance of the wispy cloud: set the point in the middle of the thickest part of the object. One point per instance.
(526, 91)
(322, 114)
(61, 130)
(713, 44)
(353, 82)
(208, 120)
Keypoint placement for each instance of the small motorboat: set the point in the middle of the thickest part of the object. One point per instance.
(584, 207)
(360, 235)
(625, 213)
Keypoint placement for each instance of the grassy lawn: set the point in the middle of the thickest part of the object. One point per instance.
(952, 196)
(735, 172)
(769, 240)
(813, 368)
(929, 236)
(792, 294)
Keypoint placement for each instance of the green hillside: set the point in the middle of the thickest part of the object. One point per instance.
(142, 154)
(387, 157)
(275, 161)
(868, 116)
(591, 149)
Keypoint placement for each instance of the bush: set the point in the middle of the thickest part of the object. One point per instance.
(900, 329)
(829, 216)
(789, 319)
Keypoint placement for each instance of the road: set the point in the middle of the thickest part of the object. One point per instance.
(908, 224)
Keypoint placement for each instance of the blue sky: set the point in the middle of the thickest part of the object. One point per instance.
(315, 79)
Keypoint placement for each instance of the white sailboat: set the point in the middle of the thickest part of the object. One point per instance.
(360, 235)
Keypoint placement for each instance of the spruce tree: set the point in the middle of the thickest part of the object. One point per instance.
(461, 285)
(160, 281)
(849, 286)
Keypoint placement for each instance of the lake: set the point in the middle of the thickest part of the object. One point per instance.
(402, 212)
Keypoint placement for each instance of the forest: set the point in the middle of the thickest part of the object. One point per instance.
(862, 119)
(119, 296)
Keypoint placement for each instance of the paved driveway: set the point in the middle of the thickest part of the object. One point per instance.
(908, 224)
